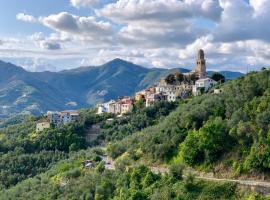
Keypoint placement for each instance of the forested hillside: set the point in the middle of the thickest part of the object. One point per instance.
(70, 180)
(230, 129)
(227, 133)
(25, 153)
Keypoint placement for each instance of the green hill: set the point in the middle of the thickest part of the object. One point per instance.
(226, 133)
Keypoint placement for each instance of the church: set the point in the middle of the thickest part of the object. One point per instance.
(200, 69)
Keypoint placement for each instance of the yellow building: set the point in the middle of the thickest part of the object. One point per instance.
(139, 97)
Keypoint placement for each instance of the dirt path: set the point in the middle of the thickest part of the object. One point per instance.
(259, 186)
(211, 178)
(241, 182)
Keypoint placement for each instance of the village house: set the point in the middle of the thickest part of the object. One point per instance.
(115, 107)
(42, 126)
(104, 107)
(202, 85)
(54, 117)
(154, 97)
(140, 96)
(173, 91)
(63, 117)
(122, 106)
(101, 109)
(69, 116)
(126, 105)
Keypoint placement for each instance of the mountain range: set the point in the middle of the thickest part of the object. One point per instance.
(22, 91)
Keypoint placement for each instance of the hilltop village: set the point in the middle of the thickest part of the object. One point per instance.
(170, 88)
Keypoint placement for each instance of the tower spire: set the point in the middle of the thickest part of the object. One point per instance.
(201, 68)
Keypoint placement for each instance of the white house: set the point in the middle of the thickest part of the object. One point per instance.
(203, 85)
(172, 95)
(101, 109)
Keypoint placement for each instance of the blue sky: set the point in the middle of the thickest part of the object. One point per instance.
(61, 34)
(10, 8)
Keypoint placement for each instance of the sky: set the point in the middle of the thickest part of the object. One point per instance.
(54, 35)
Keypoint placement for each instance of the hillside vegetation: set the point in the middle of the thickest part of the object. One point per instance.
(231, 128)
(25, 153)
(227, 132)
(70, 180)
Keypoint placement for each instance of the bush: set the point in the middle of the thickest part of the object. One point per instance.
(176, 171)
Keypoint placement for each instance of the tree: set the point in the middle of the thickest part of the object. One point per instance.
(170, 79)
(214, 138)
(193, 77)
(218, 77)
(179, 76)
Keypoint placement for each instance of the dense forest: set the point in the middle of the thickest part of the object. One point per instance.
(226, 133)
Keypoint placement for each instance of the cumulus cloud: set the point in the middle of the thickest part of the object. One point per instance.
(26, 18)
(160, 10)
(160, 22)
(242, 20)
(48, 43)
(160, 33)
(84, 3)
(84, 28)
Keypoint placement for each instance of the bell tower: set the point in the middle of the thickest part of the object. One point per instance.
(201, 68)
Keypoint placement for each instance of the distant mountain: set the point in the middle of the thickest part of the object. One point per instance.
(36, 92)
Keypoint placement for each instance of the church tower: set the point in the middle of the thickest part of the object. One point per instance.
(201, 68)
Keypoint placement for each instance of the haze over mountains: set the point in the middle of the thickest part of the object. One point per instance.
(36, 92)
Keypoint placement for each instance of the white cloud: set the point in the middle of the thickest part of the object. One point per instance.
(155, 33)
(36, 65)
(83, 3)
(243, 21)
(50, 45)
(160, 10)
(26, 18)
(82, 28)
(162, 23)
